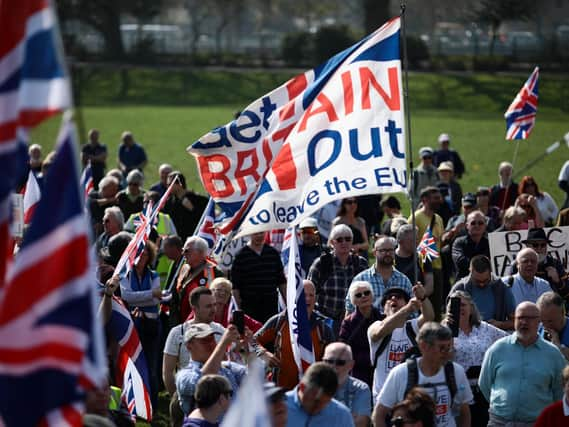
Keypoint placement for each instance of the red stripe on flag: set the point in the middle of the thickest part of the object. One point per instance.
(8, 131)
(46, 276)
(296, 86)
(32, 118)
(13, 18)
(72, 415)
(59, 351)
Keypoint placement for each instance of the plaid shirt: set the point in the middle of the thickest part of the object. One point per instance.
(331, 291)
(397, 280)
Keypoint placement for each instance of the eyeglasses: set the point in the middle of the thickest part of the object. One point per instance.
(343, 239)
(350, 202)
(363, 294)
(477, 223)
(385, 250)
(538, 245)
(335, 362)
(400, 422)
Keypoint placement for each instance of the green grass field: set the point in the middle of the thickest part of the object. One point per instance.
(168, 110)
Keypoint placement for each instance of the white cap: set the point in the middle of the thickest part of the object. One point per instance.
(308, 223)
(444, 137)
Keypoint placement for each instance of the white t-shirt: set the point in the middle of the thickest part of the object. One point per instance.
(174, 345)
(394, 388)
(391, 356)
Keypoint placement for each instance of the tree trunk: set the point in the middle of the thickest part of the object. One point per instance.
(376, 13)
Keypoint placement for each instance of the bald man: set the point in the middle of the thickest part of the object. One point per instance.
(521, 373)
(353, 393)
(524, 284)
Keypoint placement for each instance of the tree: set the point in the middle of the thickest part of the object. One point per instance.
(105, 17)
(376, 13)
(494, 12)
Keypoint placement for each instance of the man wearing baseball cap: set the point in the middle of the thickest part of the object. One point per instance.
(445, 154)
(391, 337)
(207, 358)
(426, 174)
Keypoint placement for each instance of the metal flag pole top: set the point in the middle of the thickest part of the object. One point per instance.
(411, 179)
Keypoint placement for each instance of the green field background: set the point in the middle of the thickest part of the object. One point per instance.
(167, 110)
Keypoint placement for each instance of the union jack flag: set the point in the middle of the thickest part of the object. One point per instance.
(33, 87)
(520, 115)
(299, 325)
(137, 244)
(48, 309)
(32, 195)
(87, 183)
(132, 370)
(205, 228)
(427, 248)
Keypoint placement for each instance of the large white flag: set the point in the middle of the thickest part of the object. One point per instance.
(335, 131)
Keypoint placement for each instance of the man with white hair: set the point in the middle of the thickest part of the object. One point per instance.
(113, 222)
(525, 285)
(162, 185)
(198, 271)
(504, 193)
(353, 393)
(382, 275)
(333, 272)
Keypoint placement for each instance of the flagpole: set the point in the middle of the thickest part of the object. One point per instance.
(411, 177)
(538, 159)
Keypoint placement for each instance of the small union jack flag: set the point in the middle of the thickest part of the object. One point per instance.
(520, 116)
(206, 229)
(427, 248)
(87, 183)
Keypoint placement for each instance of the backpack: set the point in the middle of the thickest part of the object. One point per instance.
(387, 339)
(413, 377)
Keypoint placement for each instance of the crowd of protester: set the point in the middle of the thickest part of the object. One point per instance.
(387, 345)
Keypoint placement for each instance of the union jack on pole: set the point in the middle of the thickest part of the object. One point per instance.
(132, 370)
(205, 228)
(520, 115)
(427, 248)
(33, 87)
(298, 322)
(49, 331)
(87, 183)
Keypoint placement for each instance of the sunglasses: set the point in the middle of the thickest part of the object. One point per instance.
(427, 157)
(477, 223)
(335, 362)
(343, 239)
(363, 294)
(400, 422)
(350, 202)
(538, 245)
(228, 393)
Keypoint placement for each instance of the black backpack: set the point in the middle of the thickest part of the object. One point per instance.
(413, 377)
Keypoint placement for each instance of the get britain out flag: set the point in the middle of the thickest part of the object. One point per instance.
(335, 131)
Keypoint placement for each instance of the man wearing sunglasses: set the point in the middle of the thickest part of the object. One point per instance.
(382, 275)
(474, 243)
(390, 338)
(353, 393)
(332, 274)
